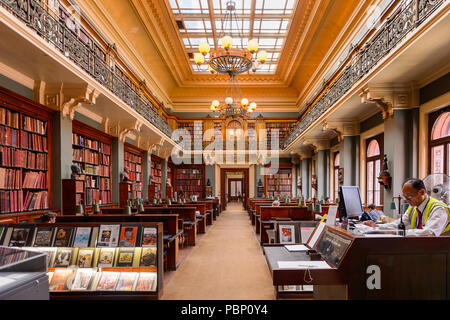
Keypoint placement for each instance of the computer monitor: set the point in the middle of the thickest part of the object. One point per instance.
(350, 205)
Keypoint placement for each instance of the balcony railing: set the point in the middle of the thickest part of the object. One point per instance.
(67, 42)
(412, 14)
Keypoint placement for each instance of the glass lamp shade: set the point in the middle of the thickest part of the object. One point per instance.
(244, 102)
(227, 42)
(203, 47)
(215, 103)
(252, 106)
(252, 45)
(393, 206)
(262, 56)
(249, 110)
(229, 100)
(310, 207)
(405, 207)
(318, 208)
(199, 58)
(213, 108)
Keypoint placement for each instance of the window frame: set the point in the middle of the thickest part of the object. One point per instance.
(380, 140)
(432, 118)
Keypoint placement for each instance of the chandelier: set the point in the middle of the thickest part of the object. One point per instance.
(231, 61)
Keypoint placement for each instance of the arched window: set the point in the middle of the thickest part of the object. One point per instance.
(439, 151)
(374, 158)
(337, 162)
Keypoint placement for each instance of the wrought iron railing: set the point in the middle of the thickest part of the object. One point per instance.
(68, 43)
(412, 13)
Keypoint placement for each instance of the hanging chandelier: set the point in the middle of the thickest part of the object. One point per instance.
(231, 61)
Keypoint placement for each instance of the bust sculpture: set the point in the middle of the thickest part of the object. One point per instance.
(75, 171)
(125, 175)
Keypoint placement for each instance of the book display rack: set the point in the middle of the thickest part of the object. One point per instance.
(91, 152)
(100, 261)
(190, 180)
(279, 184)
(154, 189)
(25, 146)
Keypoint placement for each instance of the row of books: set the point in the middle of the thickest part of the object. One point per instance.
(33, 142)
(91, 156)
(105, 159)
(105, 148)
(94, 196)
(135, 176)
(104, 183)
(9, 137)
(189, 188)
(91, 182)
(94, 280)
(189, 171)
(194, 182)
(12, 201)
(91, 169)
(35, 180)
(133, 166)
(105, 235)
(78, 155)
(272, 181)
(9, 118)
(82, 141)
(35, 160)
(279, 188)
(10, 178)
(34, 125)
(130, 157)
(103, 171)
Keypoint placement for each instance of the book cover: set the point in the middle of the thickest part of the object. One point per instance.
(146, 281)
(106, 257)
(148, 257)
(108, 281)
(125, 258)
(60, 279)
(43, 237)
(126, 281)
(63, 236)
(108, 235)
(63, 257)
(128, 235)
(82, 237)
(20, 236)
(148, 237)
(83, 279)
(85, 257)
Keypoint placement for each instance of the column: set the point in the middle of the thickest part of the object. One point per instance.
(146, 170)
(210, 173)
(163, 178)
(61, 155)
(306, 177)
(323, 177)
(117, 167)
(350, 160)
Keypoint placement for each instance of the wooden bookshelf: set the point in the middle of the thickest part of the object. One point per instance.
(284, 128)
(133, 159)
(92, 152)
(195, 129)
(154, 189)
(279, 184)
(25, 146)
(190, 179)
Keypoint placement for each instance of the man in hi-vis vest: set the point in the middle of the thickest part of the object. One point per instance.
(425, 216)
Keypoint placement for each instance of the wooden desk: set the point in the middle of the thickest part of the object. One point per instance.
(407, 267)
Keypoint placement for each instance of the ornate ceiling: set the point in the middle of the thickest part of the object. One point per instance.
(298, 35)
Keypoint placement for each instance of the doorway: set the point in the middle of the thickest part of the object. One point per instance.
(225, 185)
(235, 189)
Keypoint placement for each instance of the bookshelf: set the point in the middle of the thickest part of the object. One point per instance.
(133, 159)
(170, 179)
(195, 129)
(91, 151)
(279, 184)
(284, 128)
(190, 180)
(25, 145)
(154, 189)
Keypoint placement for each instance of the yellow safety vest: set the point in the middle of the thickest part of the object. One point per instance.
(432, 202)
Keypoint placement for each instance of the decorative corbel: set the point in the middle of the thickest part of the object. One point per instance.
(326, 126)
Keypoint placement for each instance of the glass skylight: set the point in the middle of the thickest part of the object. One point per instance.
(268, 24)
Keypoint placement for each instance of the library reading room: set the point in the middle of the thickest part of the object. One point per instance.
(283, 150)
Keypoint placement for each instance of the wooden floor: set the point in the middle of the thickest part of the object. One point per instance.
(227, 263)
